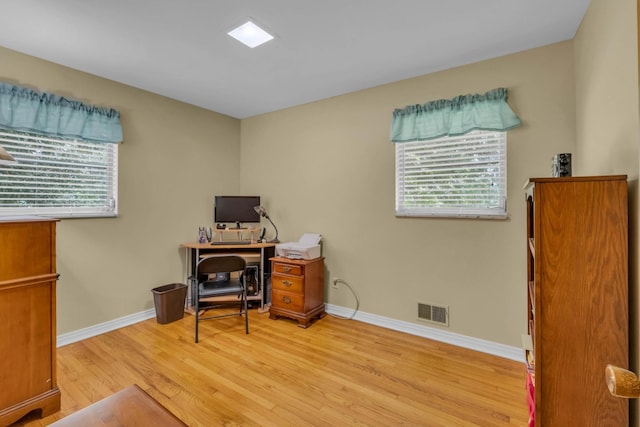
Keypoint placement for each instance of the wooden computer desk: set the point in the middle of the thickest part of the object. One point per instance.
(256, 253)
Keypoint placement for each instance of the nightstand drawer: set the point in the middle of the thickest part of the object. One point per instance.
(287, 301)
(294, 270)
(287, 283)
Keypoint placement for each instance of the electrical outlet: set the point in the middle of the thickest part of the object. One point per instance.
(334, 282)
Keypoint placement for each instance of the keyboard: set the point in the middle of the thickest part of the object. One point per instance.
(233, 242)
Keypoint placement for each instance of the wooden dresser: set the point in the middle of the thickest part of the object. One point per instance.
(577, 262)
(297, 289)
(27, 318)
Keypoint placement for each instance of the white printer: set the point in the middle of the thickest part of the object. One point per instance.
(307, 247)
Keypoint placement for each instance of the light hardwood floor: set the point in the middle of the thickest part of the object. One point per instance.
(335, 373)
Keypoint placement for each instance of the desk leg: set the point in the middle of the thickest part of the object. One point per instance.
(263, 308)
(190, 270)
(261, 278)
(187, 274)
(194, 265)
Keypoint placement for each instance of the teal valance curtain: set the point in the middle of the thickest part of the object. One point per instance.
(452, 117)
(25, 110)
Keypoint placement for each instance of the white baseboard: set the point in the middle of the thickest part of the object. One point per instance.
(101, 328)
(489, 347)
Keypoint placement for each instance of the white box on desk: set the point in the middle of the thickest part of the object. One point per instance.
(307, 247)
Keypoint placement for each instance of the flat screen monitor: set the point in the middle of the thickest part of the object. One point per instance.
(236, 209)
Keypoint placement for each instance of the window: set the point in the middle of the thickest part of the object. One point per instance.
(58, 177)
(461, 176)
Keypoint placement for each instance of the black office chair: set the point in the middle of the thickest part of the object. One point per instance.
(215, 278)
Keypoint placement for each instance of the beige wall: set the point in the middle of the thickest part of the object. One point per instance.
(174, 158)
(607, 90)
(328, 167)
(607, 122)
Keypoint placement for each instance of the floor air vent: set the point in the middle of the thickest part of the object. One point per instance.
(434, 313)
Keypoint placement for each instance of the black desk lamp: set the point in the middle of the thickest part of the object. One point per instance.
(263, 212)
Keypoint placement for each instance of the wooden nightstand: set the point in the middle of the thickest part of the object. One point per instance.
(297, 289)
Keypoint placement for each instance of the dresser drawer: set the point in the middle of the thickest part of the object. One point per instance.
(294, 270)
(287, 283)
(28, 249)
(287, 301)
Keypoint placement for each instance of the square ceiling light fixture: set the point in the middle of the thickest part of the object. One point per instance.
(250, 34)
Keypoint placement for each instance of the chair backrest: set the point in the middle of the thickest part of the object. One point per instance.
(221, 264)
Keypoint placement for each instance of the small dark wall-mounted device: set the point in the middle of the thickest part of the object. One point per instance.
(561, 165)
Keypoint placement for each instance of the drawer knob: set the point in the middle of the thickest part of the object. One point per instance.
(286, 269)
(286, 300)
(287, 283)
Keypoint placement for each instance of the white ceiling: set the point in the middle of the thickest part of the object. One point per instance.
(180, 49)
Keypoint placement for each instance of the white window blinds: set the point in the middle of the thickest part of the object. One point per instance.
(58, 177)
(461, 176)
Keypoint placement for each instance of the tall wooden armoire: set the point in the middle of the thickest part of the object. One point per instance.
(577, 259)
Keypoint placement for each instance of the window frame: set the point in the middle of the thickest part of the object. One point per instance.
(468, 143)
(57, 161)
